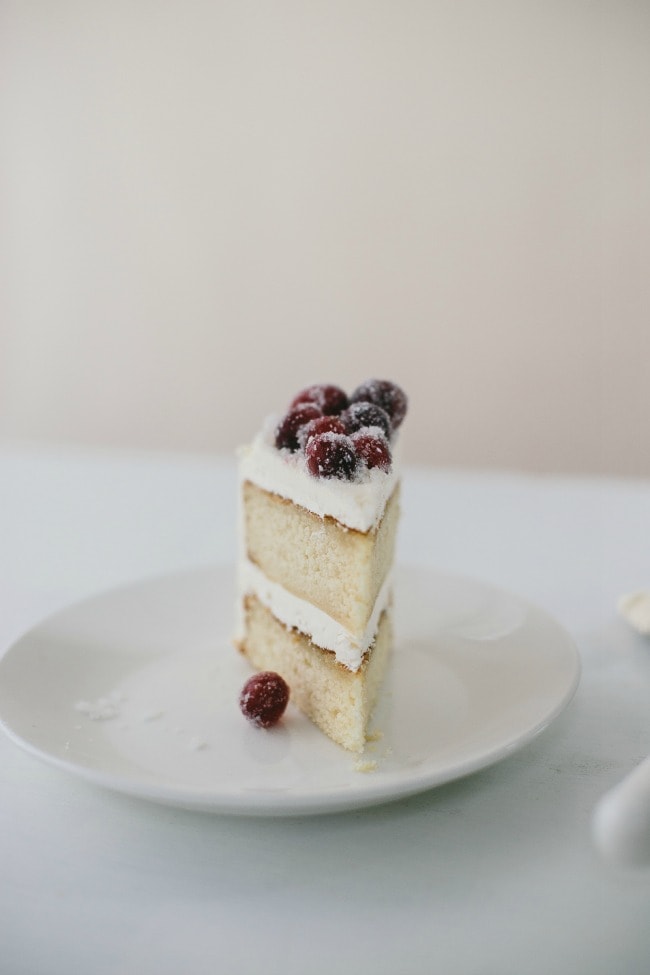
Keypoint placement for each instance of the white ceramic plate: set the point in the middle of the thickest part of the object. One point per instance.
(137, 690)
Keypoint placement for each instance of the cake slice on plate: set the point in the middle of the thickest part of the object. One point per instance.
(319, 511)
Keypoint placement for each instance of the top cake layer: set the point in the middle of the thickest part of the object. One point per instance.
(358, 504)
(331, 453)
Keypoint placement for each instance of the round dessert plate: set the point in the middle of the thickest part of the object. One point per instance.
(137, 690)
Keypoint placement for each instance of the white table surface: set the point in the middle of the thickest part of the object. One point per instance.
(493, 874)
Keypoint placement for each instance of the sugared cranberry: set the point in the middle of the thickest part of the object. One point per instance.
(331, 455)
(286, 434)
(386, 394)
(322, 424)
(264, 698)
(364, 414)
(329, 399)
(372, 449)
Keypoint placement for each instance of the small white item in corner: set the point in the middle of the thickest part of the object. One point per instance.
(635, 608)
(621, 820)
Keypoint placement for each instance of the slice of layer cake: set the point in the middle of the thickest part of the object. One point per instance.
(319, 512)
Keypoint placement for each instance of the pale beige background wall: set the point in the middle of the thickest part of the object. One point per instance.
(208, 205)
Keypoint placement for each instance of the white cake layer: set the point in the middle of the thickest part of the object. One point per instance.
(358, 504)
(314, 623)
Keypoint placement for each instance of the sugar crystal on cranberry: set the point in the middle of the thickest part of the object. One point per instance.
(365, 414)
(388, 395)
(288, 429)
(322, 424)
(263, 698)
(331, 455)
(373, 449)
(329, 399)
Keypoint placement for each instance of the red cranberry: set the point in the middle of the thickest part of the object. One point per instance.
(329, 399)
(373, 450)
(322, 424)
(286, 434)
(331, 455)
(263, 698)
(363, 414)
(383, 393)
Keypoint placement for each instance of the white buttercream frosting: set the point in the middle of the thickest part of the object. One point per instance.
(313, 622)
(358, 504)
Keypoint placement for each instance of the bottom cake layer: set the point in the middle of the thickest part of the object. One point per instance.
(336, 699)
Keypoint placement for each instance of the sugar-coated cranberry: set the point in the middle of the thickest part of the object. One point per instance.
(322, 424)
(264, 698)
(364, 414)
(331, 455)
(372, 449)
(386, 394)
(286, 434)
(329, 399)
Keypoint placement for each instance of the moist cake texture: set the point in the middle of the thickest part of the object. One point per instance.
(319, 507)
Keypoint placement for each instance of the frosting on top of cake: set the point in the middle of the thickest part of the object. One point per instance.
(357, 504)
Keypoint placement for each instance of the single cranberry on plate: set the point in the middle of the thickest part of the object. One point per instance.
(372, 449)
(322, 424)
(364, 414)
(331, 455)
(286, 433)
(264, 698)
(329, 399)
(389, 396)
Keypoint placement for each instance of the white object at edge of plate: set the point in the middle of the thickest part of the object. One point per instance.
(137, 690)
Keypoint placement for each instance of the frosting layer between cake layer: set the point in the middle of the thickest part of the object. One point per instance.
(357, 504)
(318, 626)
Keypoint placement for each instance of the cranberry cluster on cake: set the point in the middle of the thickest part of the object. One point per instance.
(342, 435)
